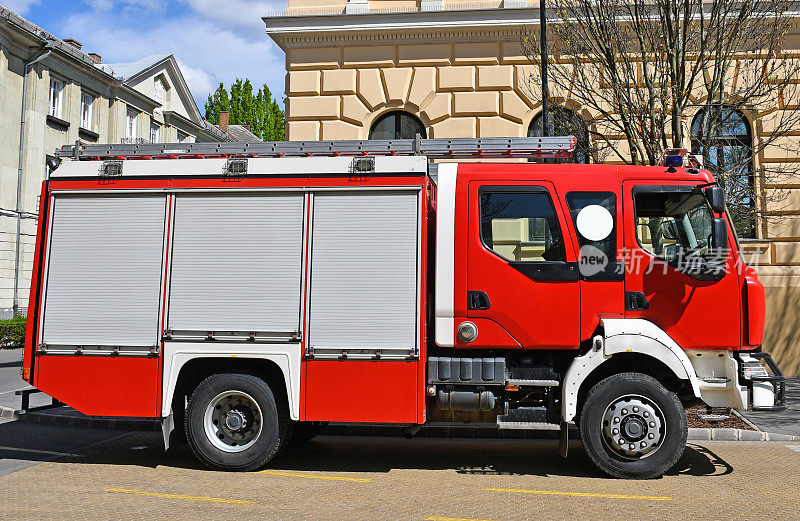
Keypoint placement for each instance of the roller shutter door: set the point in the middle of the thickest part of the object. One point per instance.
(364, 274)
(104, 271)
(236, 263)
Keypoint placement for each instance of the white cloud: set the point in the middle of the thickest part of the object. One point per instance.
(21, 7)
(213, 41)
(243, 16)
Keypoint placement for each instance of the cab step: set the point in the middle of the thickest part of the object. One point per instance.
(715, 379)
(532, 376)
(532, 383)
(528, 426)
(715, 414)
(527, 418)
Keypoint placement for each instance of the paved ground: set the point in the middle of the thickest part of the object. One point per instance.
(391, 478)
(10, 380)
(10, 364)
(23, 445)
(785, 422)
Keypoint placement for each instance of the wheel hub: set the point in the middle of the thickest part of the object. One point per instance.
(232, 421)
(235, 420)
(633, 427)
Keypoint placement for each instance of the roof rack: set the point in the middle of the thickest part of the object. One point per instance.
(524, 147)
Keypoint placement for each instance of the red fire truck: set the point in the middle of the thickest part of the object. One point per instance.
(243, 294)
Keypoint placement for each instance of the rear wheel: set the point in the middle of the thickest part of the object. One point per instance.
(234, 423)
(633, 427)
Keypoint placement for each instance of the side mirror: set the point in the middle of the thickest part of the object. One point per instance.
(715, 196)
(719, 235)
(669, 229)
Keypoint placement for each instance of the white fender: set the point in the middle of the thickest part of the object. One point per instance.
(285, 356)
(625, 336)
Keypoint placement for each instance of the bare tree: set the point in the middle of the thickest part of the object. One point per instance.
(713, 76)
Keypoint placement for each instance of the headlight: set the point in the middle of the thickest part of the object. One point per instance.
(753, 368)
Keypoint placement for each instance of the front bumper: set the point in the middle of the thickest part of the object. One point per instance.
(776, 381)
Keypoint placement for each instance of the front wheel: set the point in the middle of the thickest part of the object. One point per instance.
(633, 427)
(234, 423)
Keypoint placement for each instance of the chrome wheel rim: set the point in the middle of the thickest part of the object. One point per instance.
(232, 421)
(633, 427)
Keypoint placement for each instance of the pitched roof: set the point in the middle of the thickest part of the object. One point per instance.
(242, 134)
(127, 70)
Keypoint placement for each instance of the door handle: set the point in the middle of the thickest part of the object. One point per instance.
(636, 301)
(478, 300)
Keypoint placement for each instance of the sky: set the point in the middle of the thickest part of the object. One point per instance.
(213, 40)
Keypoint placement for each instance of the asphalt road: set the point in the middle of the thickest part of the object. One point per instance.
(10, 365)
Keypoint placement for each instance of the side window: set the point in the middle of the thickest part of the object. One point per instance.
(520, 225)
(595, 223)
(672, 225)
(594, 216)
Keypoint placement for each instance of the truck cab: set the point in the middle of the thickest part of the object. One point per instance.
(599, 281)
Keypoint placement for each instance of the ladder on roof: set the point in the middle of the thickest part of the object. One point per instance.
(524, 147)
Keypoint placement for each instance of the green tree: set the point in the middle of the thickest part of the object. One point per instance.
(258, 110)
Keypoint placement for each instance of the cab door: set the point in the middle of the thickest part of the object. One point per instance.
(522, 274)
(667, 280)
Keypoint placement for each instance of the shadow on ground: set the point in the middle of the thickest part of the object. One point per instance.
(357, 454)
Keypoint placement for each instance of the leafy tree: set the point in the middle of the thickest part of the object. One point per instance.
(258, 110)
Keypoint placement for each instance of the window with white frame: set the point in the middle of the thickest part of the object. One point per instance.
(155, 133)
(87, 111)
(182, 137)
(56, 97)
(130, 124)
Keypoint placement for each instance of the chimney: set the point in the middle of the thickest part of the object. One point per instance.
(74, 43)
(96, 57)
(223, 121)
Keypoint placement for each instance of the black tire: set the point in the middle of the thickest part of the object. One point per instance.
(305, 432)
(607, 401)
(262, 443)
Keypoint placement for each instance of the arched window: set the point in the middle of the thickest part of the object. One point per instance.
(397, 125)
(565, 123)
(722, 136)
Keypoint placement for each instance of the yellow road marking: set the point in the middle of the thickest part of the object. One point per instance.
(581, 494)
(181, 496)
(433, 518)
(311, 476)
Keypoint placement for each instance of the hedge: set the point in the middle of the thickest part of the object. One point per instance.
(12, 333)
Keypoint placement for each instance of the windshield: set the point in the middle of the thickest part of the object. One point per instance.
(672, 225)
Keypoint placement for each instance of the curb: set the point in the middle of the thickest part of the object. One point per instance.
(6, 413)
(722, 434)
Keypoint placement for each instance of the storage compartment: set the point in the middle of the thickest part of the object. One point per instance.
(364, 282)
(236, 265)
(103, 279)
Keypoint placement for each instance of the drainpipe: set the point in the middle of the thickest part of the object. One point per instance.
(42, 56)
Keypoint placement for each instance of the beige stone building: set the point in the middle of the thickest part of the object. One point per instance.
(377, 68)
(51, 94)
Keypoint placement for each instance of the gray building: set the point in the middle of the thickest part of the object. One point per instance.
(53, 93)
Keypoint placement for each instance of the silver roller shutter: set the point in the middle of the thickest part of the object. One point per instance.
(104, 271)
(364, 274)
(236, 263)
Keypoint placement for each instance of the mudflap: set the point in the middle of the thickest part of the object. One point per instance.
(563, 444)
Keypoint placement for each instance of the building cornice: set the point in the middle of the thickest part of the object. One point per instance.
(475, 24)
(289, 28)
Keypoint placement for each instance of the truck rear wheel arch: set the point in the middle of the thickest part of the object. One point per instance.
(195, 371)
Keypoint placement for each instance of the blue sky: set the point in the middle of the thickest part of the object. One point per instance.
(213, 40)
